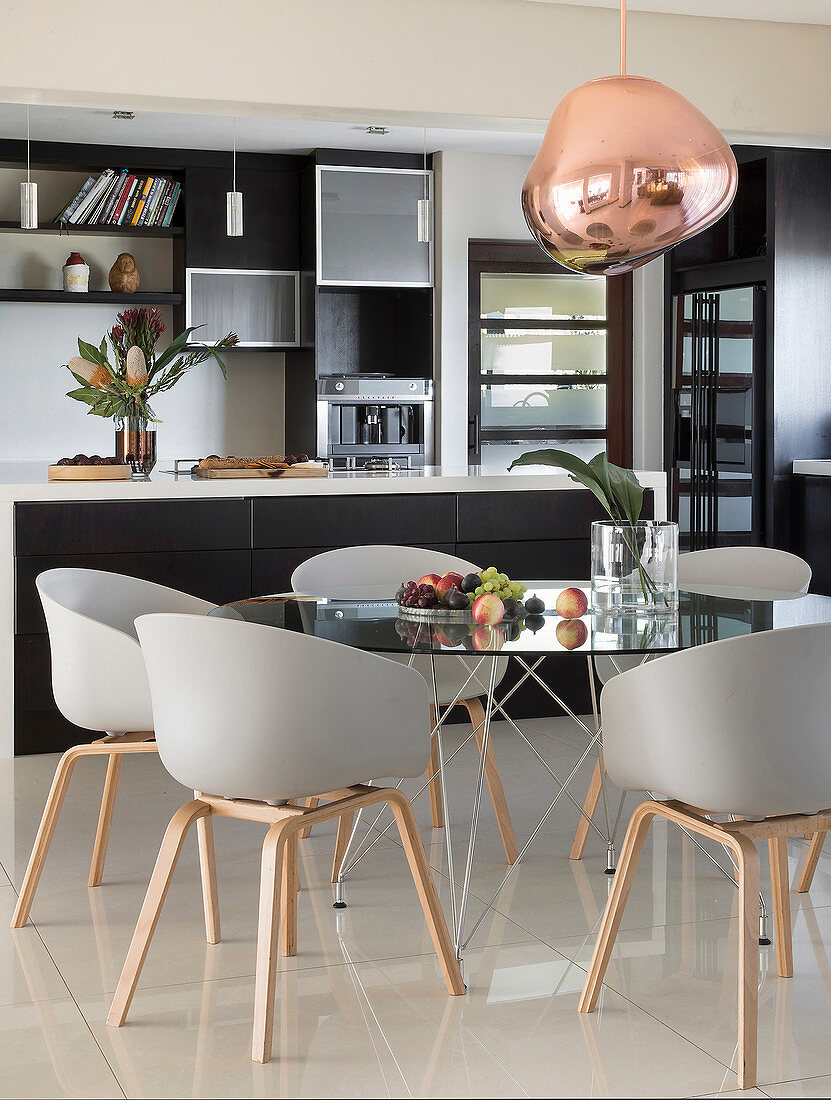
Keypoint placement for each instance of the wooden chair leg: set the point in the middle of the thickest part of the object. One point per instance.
(613, 914)
(265, 982)
(46, 830)
(311, 803)
(151, 909)
(781, 891)
(500, 804)
(814, 852)
(427, 893)
(288, 898)
(747, 860)
(436, 807)
(105, 817)
(207, 870)
(589, 807)
(341, 842)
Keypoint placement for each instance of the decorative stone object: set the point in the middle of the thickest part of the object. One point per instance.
(76, 274)
(124, 276)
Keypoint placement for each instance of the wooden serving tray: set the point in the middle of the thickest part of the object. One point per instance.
(90, 473)
(289, 471)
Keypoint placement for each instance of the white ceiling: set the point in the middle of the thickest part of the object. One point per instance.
(265, 135)
(777, 11)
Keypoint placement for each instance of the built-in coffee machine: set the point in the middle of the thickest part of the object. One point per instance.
(375, 420)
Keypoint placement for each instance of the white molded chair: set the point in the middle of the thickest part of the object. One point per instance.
(100, 683)
(733, 727)
(384, 567)
(744, 572)
(291, 716)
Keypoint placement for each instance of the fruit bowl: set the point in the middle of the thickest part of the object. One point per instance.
(484, 598)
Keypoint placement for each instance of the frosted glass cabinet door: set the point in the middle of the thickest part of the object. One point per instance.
(367, 227)
(261, 307)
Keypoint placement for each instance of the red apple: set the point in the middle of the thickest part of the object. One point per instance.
(430, 578)
(445, 583)
(488, 609)
(571, 633)
(572, 603)
(486, 638)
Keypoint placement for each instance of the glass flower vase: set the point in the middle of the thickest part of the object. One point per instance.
(634, 568)
(135, 443)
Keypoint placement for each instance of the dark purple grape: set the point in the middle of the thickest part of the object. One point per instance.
(424, 602)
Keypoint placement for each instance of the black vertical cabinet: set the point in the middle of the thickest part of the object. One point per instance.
(773, 240)
(270, 187)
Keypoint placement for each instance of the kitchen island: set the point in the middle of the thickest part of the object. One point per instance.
(232, 538)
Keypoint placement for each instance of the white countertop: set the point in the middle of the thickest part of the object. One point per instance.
(30, 482)
(820, 467)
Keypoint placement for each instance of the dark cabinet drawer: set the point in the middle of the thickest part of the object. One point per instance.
(271, 570)
(547, 514)
(554, 559)
(122, 527)
(217, 575)
(425, 519)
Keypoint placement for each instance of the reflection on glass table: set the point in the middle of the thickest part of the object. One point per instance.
(368, 620)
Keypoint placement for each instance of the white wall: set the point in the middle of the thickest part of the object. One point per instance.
(478, 196)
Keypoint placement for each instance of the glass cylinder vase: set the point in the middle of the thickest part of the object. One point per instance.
(634, 568)
(135, 443)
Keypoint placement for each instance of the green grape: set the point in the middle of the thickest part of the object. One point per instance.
(488, 586)
(479, 591)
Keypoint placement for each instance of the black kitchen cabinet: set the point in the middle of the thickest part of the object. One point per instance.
(271, 216)
(418, 519)
(121, 527)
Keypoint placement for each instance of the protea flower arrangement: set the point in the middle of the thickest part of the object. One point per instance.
(122, 390)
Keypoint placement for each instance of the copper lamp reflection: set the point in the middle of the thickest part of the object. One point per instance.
(627, 169)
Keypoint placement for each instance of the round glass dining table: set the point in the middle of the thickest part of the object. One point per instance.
(368, 619)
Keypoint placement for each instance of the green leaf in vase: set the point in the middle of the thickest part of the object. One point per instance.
(577, 469)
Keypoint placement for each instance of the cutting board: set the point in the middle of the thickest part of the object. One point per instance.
(290, 471)
(90, 473)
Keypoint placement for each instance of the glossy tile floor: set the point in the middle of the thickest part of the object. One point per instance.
(362, 1009)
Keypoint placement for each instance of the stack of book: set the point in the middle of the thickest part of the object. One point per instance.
(123, 198)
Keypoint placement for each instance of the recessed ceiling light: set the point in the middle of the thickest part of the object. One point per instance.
(377, 130)
(124, 114)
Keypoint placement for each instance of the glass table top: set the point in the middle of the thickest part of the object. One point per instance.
(367, 619)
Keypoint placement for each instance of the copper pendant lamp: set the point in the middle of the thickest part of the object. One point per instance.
(627, 169)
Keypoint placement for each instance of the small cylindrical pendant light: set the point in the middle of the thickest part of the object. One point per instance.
(424, 212)
(233, 200)
(28, 190)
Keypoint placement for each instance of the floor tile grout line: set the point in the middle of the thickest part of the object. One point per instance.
(93, 1036)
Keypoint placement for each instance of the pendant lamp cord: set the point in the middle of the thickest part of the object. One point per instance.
(28, 149)
(235, 153)
(623, 37)
(425, 162)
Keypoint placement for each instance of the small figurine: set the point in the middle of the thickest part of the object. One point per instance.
(124, 276)
(76, 274)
